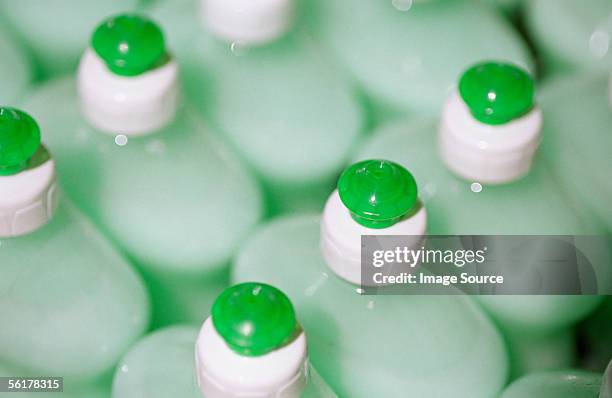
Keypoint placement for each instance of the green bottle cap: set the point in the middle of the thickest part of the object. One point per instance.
(378, 193)
(19, 140)
(129, 44)
(254, 318)
(497, 93)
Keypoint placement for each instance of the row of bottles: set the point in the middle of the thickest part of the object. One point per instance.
(176, 196)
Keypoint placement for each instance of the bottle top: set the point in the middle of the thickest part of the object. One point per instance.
(254, 318)
(130, 45)
(19, 140)
(497, 93)
(378, 193)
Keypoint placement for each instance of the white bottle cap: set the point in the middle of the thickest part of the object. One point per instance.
(134, 105)
(223, 373)
(248, 21)
(29, 198)
(341, 237)
(492, 154)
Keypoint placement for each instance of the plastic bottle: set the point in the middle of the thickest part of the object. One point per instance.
(412, 345)
(268, 358)
(410, 52)
(577, 139)
(70, 304)
(571, 36)
(13, 63)
(538, 329)
(268, 87)
(143, 165)
(56, 32)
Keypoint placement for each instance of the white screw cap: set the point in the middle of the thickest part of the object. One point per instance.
(248, 21)
(28, 199)
(492, 154)
(341, 237)
(223, 373)
(134, 105)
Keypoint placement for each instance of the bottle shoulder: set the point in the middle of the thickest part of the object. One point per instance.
(160, 363)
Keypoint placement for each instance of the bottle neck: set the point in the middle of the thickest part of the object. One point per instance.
(223, 373)
(134, 105)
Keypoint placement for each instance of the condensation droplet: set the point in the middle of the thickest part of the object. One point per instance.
(121, 139)
(239, 48)
(476, 187)
(402, 5)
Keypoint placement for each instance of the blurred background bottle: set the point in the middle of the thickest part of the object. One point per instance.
(56, 31)
(145, 167)
(278, 99)
(70, 304)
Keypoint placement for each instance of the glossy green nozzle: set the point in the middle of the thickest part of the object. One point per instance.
(254, 318)
(129, 44)
(378, 193)
(497, 93)
(19, 140)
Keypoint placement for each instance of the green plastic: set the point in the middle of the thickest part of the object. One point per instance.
(130, 45)
(497, 93)
(19, 140)
(254, 318)
(378, 193)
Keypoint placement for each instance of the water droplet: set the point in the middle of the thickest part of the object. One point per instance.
(476, 187)
(239, 48)
(483, 144)
(156, 147)
(599, 43)
(402, 5)
(125, 369)
(121, 139)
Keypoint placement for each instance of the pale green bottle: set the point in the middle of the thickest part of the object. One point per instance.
(56, 31)
(406, 54)
(521, 198)
(71, 305)
(577, 140)
(251, 346)
(143, 165)
(13, 63)
(270, 89)
(571, 35)
(412, 346)
(562, 384)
